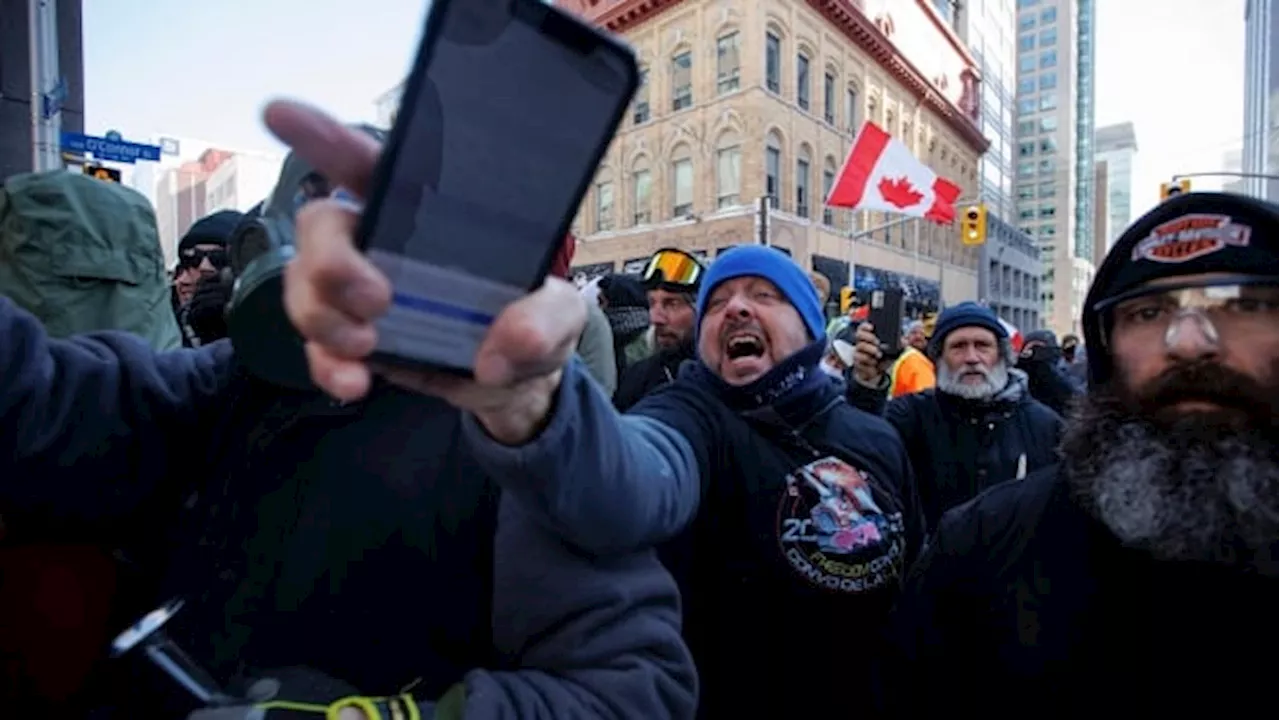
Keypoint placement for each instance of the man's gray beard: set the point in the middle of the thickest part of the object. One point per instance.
(994, 380)
(1201, 488)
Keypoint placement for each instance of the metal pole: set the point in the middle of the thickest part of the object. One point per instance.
(1257, 176)
(45, 131)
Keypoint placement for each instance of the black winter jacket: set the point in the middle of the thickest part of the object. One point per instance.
(958, 448)
(1023, 604)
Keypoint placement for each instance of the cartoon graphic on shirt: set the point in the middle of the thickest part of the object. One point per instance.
(833, 532)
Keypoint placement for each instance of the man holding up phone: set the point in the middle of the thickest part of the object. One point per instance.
(750, 460)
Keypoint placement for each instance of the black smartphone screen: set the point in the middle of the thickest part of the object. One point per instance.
(885, 316)
(511, 106)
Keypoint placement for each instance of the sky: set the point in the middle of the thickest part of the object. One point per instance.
(204, 70)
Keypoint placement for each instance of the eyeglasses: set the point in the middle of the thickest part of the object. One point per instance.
(195, 256)
(1233, 307)
(673, 267)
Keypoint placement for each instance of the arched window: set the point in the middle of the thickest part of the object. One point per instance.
(728, 170)
(681, 181)
(641, 192)
(605, 217)
(773, 167)
(828, 181)
(803, 171)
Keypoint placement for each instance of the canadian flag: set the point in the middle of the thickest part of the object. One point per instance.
(882, 174)
(1015, 335)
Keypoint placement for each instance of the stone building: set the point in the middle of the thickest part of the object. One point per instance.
(744, 99)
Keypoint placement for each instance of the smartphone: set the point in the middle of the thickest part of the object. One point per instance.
(507, 112)
(885, 315)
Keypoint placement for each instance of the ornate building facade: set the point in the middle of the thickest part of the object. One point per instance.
(751, 99)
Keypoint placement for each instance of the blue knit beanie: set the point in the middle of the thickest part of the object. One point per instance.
(772, 265)
(966, 314)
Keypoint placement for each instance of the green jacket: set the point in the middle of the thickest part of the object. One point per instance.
(83, 254)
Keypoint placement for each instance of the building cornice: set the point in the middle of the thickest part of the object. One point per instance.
(859, 28)
(626, 15)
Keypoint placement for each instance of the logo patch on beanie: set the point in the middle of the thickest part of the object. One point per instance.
(1189, 237)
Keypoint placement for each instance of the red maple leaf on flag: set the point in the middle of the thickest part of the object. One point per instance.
(899, 193)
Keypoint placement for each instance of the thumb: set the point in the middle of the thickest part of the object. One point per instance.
(341, 154)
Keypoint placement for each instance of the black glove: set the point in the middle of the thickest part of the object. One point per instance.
(205, 317)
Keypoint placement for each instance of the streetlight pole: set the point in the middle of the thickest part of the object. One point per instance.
(47, 90)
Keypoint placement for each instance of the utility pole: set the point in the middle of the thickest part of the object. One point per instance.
(48, 91)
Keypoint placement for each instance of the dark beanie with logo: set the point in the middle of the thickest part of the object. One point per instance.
(1189, 234)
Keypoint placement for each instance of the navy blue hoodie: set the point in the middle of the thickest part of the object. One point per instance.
(806, 517)
(356, 541)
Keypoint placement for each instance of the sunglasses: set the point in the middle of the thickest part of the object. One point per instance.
(673, 267)
(193, 257)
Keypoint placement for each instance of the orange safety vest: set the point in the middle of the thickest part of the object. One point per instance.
(911, 373)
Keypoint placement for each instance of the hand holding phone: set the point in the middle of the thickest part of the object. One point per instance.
(334, 295)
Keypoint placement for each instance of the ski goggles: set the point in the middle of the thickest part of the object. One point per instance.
(673, 267)
(1228, 307)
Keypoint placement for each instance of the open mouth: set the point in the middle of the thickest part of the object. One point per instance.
(744, 346)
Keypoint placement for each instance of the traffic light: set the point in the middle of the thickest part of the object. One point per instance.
(973, 225)
(99, 172)
(846, 299)
(1170, 189)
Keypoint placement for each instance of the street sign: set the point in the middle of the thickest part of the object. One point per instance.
(169, 146)
(111, 149)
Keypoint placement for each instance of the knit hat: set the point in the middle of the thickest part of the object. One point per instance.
(623, 291)
(214, 229)
(966, 314)
(1188, 234)
(772, 265)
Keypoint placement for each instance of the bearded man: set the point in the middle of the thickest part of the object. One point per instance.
(1137, 578)
(980, 426)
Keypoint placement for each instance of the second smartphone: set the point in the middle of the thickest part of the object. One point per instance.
(505, 116)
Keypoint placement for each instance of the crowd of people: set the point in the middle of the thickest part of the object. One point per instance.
(683, 494)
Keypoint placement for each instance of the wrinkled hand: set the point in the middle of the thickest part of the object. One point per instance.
(333, 295)
(867, 365)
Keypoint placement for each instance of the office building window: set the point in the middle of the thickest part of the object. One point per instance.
(1026, 127)
(1026, 149)
(1026, 192)
(1048, 189)
(773, 168)
(682, 173)
(1048, 59)
(1048, 211)
(728, 179)
(1026, 63)
(829, 98)
(1048, 145)
(1026, 167)
(1026, 84)
(1026, 42)
(1027, 106)
(1048, 166)
(1048, 15)
(641, 194)
(604, 205)
(772, 62)
(682, 81)
(1048, 81)
(802, 81)
(1026, 22)
(640, 106)
(1048, 37)
(802, 184)
(1049, 101)
(727, 64)
(1049, 123)
(1027, 3)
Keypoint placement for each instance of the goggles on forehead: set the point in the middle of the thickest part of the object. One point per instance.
(1239, 304)
(672, 267)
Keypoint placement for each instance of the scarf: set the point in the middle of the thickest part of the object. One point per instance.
(627, 322)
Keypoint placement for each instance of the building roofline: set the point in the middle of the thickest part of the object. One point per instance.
(846, 16)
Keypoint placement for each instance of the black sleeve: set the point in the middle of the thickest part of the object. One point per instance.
(90, 426)
(867, 399)
(921, 673)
